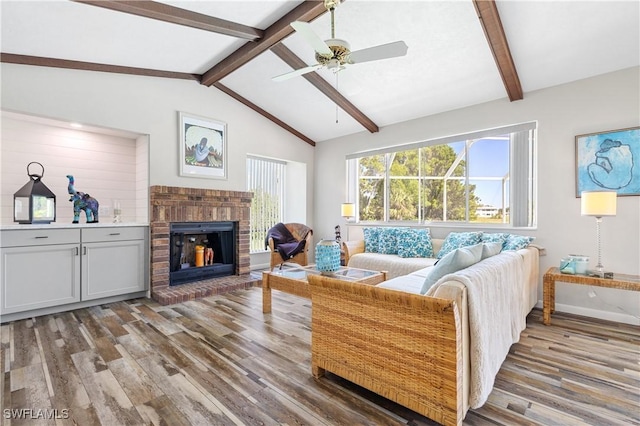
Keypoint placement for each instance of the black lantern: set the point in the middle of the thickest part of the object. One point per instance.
(34, 202)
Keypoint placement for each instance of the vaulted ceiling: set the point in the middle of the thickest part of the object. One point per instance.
(460, 53)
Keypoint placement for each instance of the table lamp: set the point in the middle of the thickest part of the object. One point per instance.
(598, 204)
(347, 210)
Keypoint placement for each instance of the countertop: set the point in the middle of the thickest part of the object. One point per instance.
(81, 225)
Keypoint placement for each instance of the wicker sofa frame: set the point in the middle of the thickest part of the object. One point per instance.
(413, 345)
(412, 349)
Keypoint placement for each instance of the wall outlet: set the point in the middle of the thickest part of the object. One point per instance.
(591, 293)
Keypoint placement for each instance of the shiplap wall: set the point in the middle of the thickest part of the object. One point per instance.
(105, 166)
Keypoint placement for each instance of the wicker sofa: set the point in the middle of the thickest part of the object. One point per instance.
(416, 349)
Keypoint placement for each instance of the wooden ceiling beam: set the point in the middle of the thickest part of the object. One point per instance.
(321, 84)
(175, 15)
(11, 58)
(262, 112)
(494, 32)
(307, 11)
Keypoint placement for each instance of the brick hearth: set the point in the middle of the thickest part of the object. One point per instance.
(174, 204)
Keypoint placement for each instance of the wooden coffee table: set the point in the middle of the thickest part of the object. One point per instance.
(293, 279)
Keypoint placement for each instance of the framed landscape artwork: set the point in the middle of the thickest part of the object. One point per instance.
(203, 147)
(609, 161)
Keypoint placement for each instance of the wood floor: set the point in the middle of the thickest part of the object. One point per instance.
(220, 361)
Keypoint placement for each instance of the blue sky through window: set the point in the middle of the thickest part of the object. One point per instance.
(488, 157)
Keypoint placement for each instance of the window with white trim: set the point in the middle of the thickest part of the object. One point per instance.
(483, 177)
(266, 179)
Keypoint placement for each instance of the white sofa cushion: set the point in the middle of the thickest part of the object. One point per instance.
(393, 264)
(411, 283)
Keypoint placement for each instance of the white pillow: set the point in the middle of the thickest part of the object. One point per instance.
(453, 261)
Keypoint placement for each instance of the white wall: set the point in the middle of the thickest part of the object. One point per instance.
(597, 104)
(106, 166)
(148, 105)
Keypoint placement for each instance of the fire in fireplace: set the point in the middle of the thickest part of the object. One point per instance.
(201, 250)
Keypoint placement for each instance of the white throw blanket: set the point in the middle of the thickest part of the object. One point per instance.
(497, 315)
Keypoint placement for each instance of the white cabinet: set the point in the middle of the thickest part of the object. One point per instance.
(113, 262)
(39, 269)
(46, 270)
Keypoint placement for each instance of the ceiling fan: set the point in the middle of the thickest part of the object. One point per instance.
(335, 54)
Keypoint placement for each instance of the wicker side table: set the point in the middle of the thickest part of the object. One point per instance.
(619, 281)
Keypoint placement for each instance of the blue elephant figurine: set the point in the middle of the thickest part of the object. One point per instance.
(82, 201)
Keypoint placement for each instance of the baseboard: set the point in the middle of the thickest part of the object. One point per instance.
(260, 267)
(594, 313)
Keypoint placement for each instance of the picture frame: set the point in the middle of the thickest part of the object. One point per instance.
(203, 147)
(609, 161)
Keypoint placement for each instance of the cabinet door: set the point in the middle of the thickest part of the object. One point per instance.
(39, 277)
(112, 268)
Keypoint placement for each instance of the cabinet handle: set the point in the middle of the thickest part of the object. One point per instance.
(44, 236)
(84, 250)
(115, 233)
(77, 251)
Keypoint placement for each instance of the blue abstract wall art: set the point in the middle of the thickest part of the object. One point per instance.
(609, 161)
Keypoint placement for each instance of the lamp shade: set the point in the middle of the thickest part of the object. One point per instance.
(348, 210)
(598, 203)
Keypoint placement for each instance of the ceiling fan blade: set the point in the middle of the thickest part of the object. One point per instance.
(295, 73)
(383, 51)
(304, 28)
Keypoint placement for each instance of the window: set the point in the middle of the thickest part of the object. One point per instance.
(481, 177)
(266, 179)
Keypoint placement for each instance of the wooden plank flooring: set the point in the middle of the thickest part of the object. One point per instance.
(220, 361)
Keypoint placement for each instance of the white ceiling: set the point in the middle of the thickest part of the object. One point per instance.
(448, 65)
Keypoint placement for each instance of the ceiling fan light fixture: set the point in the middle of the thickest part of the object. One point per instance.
(341, 51)
(338, 43)
(333, 65)
(335, 53)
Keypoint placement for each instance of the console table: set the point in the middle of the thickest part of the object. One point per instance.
(619, 281)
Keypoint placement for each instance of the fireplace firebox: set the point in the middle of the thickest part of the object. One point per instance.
(201, 250)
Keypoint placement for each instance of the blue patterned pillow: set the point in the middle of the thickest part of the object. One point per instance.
(414, 242)
(517, 242)
(371, 239)
(459, 239)
(499, 237)
(388, 240)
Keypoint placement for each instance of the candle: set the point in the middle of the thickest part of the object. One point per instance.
(199, 256)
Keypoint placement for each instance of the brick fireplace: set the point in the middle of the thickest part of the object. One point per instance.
(175, 204)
